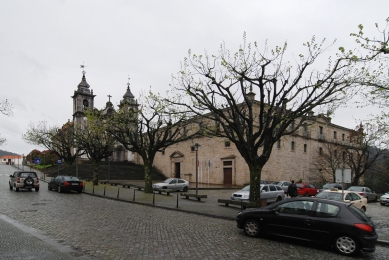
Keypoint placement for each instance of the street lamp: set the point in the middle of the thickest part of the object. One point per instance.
(196, 146)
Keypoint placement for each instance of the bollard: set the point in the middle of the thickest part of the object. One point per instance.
(118, 193)
(104, 190)
(177, 200)
(153, 197)
(133, 198)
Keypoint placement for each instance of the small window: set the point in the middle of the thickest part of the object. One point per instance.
(334, 134)
(320, 151)
(227, 163)
(305, 148)
(292, 146)
(320, 130)
(227, 144)
(343, 137)
(192, 148)
(278, 144)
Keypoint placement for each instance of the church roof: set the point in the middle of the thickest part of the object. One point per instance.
(128, 93)
(83, 83)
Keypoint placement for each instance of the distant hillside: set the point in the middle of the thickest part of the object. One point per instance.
(2, 153)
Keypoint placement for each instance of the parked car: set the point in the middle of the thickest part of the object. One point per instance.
(284, 185)
(384, 199)
(318, 220)
(306, 189)
(173, 184)
(329, 186)
(66, 183)
(24, 180)
(346, 196)
(365, 191)
(270, 192)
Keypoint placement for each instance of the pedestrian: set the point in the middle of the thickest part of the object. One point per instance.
(292, 190)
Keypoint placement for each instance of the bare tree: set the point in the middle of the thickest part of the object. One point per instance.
(59, 141)
(221, 88)
(328, 159)
(148, 128)
(5, 109)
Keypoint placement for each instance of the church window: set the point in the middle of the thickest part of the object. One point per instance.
(85, 103)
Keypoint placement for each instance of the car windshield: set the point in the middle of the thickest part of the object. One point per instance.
(299, 185)
(330, 195)
(247, 188)
(71, 178)
(328, 186)
(27, 174)
(355, 188)
(167, 180)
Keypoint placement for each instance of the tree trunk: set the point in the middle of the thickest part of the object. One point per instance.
(148, 180)
(255, 184)
(96, 173)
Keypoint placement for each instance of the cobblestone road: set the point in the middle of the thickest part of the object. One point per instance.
(107, 229)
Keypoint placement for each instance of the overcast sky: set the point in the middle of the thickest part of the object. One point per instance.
(43, 43)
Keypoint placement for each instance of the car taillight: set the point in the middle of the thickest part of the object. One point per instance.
(364, 227)
(37, 180)
(66, 183)
(18, 180)
(81, 184)
(362, 194)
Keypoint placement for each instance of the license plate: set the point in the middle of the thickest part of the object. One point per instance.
(74, 183)
(27, 187)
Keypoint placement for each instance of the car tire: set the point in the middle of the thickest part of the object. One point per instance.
(306, 194)
(10, 187)
(16, 189)
(346, 245)
(363, 209)
(29, 181)
(49, 187)
(382, 204)
(185, 189)
(278, 199)
(36, 189)
(375, 199)
(59, 189)
(252, 228)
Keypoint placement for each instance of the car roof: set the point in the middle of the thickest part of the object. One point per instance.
(316, 199)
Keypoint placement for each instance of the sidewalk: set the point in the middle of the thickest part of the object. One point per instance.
(208, 206)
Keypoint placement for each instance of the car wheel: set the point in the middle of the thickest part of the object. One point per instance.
(382, 204)
(252, 228)
(363, 209)
(306, 194)
(185, 189)
(29, 181)
(36, 189)
(10, 187)
(375, 199)
(49, 187)
(16, 189)
(59, 189)
(346, 245)
(278, 199)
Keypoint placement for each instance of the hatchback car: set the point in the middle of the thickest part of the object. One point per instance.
(384, 199)
(24, 180)
(173, 184)
(284, 185)
(66, 183)
(346, 196)
(271, 193)
(306, 189)
(322, 221)
(364, 191)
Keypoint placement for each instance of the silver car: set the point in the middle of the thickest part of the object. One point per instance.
(270, 192)
(24, 180)
(172, 184)
(384, 199)
(365, 192)
(284, 185)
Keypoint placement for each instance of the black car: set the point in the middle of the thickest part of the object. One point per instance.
(334, 223)
(66, 183)
(329, 186)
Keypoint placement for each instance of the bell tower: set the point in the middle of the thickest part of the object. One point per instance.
(83, 99)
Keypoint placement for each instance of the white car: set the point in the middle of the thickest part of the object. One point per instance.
(384, 199)
(172, 184)
(270, 192)
(354, 198)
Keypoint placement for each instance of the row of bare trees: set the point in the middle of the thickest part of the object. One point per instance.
(214, 95)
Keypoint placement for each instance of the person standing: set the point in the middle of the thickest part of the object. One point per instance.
(292, 190)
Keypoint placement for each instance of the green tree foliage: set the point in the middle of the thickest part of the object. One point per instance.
(220, 88)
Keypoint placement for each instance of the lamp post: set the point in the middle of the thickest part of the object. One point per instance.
(196, 146)
(22, 162)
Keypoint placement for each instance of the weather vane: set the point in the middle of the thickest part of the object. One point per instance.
(83, 66)
(128, 84)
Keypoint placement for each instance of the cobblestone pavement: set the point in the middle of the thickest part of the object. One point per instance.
(103, 228)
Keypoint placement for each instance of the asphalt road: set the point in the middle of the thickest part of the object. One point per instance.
(81, 226)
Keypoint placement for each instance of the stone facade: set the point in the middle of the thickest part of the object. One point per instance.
(220, 162)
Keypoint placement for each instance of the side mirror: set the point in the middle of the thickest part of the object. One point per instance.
(11, 176)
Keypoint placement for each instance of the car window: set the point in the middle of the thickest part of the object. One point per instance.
(295, 207)
(71, 178)
(349, 197)
(287, 183)
(326, 210)
(247, 188)
(355, 196)
(354, 188)
(265, 188)
(173, 181)
(368, 190)
(330, 195)
(272, 188)
(278, 188)
(27, 174)
(181, 181)
(299, 185)
(358, 213)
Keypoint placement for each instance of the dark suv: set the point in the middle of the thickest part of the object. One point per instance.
(24, 180)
